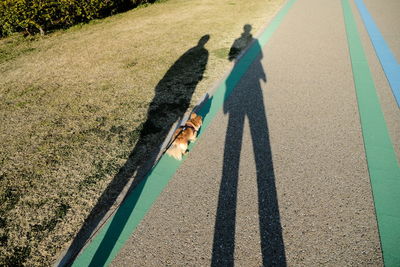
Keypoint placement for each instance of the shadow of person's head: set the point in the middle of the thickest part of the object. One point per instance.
(246, 29)
(203, 40)
(241, 43)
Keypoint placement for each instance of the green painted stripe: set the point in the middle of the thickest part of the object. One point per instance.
(383, 166)
(111, 238)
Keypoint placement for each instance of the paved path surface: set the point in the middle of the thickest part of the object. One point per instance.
(280, 175)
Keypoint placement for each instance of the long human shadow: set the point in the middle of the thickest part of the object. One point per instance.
(247, 101)
(172, 99)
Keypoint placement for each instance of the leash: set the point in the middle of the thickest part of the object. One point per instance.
(184, 127)
(173, 140)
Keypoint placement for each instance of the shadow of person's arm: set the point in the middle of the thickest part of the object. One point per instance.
(264, 77)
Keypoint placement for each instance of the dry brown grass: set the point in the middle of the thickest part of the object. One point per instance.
(72, 103)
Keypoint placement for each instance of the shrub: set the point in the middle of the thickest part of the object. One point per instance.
(34, 16)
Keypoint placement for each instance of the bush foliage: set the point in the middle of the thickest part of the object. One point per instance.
(34, 16)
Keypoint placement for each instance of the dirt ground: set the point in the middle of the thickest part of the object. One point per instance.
(81, 110)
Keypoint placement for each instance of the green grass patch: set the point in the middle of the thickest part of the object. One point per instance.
(221, 53)
(15, 46)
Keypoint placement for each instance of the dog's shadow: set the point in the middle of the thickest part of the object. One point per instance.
(203, 109)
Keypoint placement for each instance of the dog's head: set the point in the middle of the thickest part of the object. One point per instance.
(196, 120)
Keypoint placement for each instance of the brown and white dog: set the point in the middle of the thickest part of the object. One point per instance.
(183, 135)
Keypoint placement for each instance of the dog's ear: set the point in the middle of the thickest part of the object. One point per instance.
(192, 116)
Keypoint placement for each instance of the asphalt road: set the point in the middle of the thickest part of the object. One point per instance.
(280, 175)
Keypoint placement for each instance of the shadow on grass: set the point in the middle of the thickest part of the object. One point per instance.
(247, 101)
(172, 99)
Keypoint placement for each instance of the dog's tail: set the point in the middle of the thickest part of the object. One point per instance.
(175, 151)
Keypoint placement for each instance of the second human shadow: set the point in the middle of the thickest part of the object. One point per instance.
(247, 101)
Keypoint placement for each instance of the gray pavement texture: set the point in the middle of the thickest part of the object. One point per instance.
(280, 176)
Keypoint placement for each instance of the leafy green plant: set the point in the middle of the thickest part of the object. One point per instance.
(40, 16)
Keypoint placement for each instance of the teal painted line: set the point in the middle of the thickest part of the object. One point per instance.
(383, 166)
(111, 238)
(113, 235)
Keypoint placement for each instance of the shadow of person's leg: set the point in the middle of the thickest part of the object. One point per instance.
(272, 246)
(224, 233)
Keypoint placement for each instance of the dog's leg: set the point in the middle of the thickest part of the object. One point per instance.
(183, 148)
